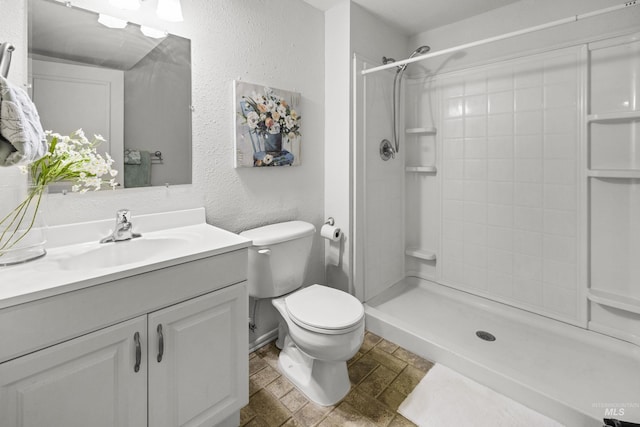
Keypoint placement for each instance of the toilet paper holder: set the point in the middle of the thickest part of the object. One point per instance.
(330, 231)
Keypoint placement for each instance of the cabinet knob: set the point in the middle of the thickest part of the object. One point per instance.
(160, 343)
(136, 339)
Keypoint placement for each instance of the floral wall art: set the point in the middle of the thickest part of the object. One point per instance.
(267, 126)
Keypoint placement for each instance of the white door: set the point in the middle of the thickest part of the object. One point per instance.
(87, 381)
(70, 96)
(201, 377)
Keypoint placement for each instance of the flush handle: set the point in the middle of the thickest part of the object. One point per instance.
(136, 339)
(160, 343)
(265, 251)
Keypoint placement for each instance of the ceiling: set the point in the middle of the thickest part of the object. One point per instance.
(415, 16)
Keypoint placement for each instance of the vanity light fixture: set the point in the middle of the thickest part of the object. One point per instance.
(170, 10)
(125, 4)
(111, 22)
(154, 33)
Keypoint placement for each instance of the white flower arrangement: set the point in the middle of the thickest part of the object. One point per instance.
(73, 158)
(270, 114)
(70, 158)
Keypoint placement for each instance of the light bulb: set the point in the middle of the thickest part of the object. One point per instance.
(111, 22)
(154, 33)
(169, 10)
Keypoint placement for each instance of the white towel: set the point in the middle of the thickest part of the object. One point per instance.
(22, 139)
(132, 157)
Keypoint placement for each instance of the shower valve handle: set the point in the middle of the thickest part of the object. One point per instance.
(386, 150)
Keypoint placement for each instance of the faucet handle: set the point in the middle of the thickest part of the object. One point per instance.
(123, 216)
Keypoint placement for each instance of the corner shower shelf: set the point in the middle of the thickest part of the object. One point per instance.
(421, 254)
(614, 173)
(609, 299)
(612, 117)
(421, 131)
(422, 169)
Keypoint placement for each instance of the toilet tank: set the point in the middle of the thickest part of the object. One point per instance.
(278, 258)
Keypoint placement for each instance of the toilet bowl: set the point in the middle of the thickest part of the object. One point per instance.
(321, 328)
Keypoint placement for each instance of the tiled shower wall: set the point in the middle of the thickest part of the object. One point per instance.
(509, 134)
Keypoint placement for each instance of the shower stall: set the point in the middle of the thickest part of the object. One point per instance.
(512, 207)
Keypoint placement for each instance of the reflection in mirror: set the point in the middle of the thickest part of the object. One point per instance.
(132, 88)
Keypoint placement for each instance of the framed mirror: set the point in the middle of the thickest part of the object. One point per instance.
(128, 83)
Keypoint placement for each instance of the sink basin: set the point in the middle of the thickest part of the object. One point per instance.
(107, 255)
(75, 260)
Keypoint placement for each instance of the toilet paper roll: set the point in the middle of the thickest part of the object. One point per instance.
(332, 254)
(330, 232)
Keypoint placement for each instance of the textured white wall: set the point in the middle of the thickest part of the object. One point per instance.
(273, 42)
(13, 23)
(14, 31)
(337, 130)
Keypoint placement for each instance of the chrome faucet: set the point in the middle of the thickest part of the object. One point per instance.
(123, 229)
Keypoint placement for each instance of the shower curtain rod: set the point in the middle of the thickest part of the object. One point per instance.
(551, 24)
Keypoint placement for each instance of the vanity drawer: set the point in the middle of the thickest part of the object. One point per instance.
(35, 325)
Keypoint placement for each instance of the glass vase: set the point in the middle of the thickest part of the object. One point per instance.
(22, 223)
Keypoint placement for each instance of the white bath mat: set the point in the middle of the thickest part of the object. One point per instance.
(445, 398)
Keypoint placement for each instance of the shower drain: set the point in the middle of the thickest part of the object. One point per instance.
(484, 335)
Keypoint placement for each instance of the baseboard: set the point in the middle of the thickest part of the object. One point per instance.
(263, 340)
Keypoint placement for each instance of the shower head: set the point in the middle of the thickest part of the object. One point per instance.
(419, 51)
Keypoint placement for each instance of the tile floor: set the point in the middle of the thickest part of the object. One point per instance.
(382, 374)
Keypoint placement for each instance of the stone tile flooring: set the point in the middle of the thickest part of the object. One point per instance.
(382, 374)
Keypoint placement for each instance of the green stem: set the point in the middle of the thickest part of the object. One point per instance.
(17, 208)
(21, 211)
(38, 191)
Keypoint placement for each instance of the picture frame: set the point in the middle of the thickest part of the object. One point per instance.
(267, 126)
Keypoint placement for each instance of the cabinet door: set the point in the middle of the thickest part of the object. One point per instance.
(202, 377)
(87, 381)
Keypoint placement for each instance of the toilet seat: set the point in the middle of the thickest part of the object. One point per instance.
(324, 310)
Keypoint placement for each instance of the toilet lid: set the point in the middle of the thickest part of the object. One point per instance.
(322, 307)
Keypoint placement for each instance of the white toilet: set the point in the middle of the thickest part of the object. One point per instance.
(321, 327)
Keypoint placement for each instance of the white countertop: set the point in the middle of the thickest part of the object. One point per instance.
(184, 234)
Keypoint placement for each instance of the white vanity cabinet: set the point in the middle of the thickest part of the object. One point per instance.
(86, 381)
(198, 371)
(91, 356)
